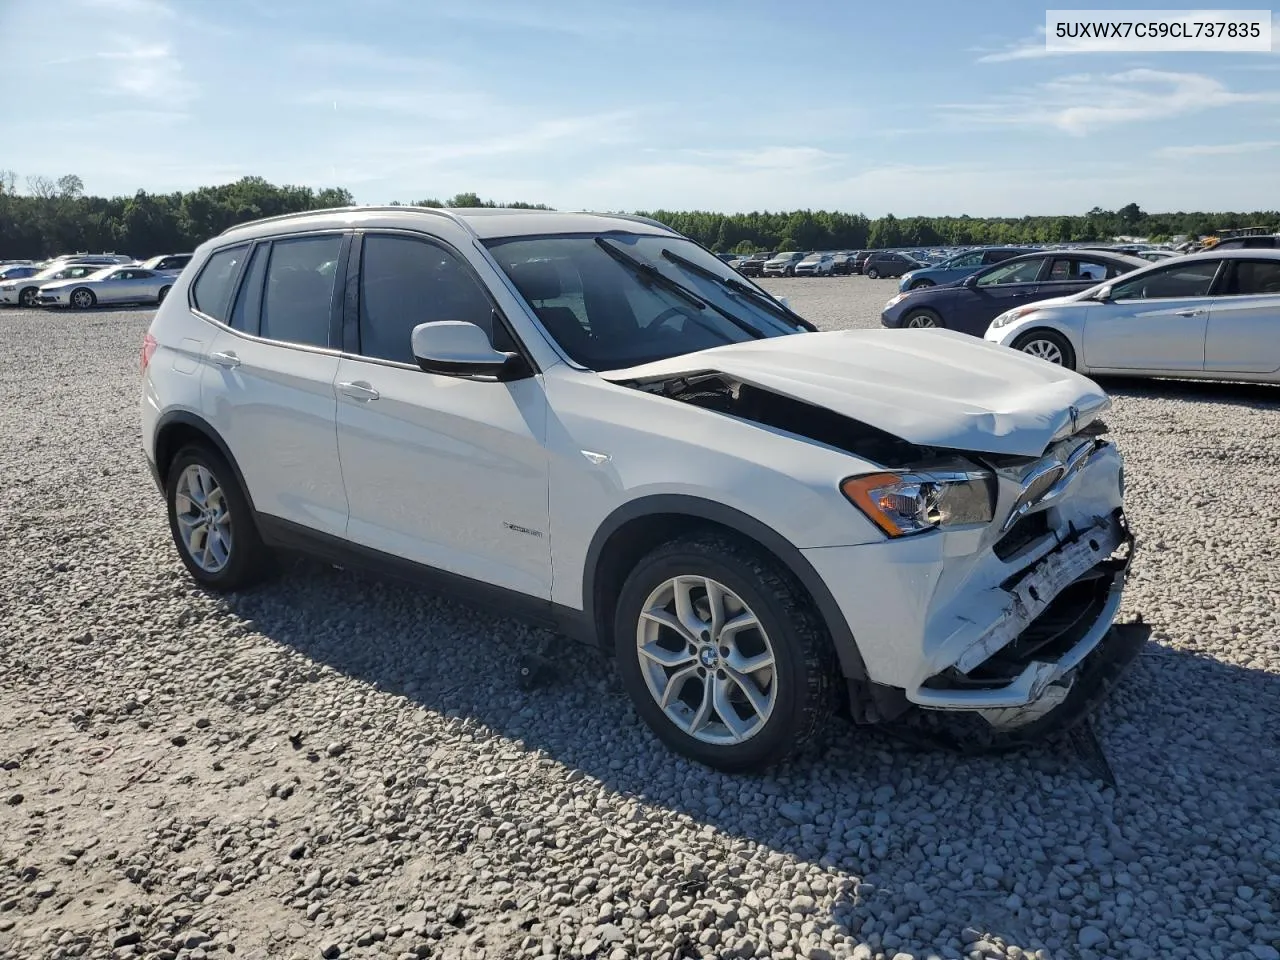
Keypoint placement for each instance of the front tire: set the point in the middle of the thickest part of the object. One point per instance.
(920, 284)
(723, 654)
(27, 298)
(1047, 345)
(212, 523)
(164, 292)
(82, 298)
(921, 319)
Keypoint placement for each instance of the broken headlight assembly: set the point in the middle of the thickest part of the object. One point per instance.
(901, 504)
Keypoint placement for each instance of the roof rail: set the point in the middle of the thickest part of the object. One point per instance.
(373, 208)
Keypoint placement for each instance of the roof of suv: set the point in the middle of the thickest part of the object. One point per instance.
(484, 223)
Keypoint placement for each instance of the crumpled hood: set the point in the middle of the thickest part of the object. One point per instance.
(929, 387)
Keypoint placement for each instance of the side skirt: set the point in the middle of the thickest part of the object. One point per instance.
(287, 535)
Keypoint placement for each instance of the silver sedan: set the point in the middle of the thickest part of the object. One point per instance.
(109, 285)
(1214, 315)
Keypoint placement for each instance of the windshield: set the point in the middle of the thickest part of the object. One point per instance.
(617, 301)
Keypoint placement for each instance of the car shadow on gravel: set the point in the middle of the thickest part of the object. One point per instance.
(914, 829)
(1214, 391)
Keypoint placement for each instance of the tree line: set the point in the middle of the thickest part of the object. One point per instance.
(48, 217)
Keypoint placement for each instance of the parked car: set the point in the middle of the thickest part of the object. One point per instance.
(102, 259)
(1155, 256)
(815, 265)
(782, 265)
(753, 265)
(844, 263)
(972, 304)
(108, 285)
(18, 271)
(956, 268)
(1212, 314)
(167, 263)
(23, 291)
(1248, 243)
(859, 260)
(888, 263)
(747, 535)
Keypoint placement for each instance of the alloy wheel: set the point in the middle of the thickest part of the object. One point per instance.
(707, 660)
(1044, 349)
(27, 298)
(204, 519)
(82, 299)
(921, 321)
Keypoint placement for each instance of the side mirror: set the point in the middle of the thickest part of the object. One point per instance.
(458, 348)
(1103, 294)
(785, 302)
(970, 281)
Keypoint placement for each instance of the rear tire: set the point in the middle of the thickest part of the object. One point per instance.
(212, 523)
(775, 707)
(82, 298)
(164, 292)
(873, 274)
(1047, 345)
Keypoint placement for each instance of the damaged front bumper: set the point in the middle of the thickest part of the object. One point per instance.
(1058, 612)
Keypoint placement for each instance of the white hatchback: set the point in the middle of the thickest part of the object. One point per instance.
(599, 423)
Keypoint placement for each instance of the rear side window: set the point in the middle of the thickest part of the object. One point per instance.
(298, 298)
(404, 282)
(211, 293)
(1254, 278)
(244, 316)
(1070, 269)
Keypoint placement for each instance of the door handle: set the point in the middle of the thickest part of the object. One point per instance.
(1188, 313)
(225, 358)
(358, 390)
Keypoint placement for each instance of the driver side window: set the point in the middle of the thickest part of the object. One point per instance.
(1173, 282)
(968, 260)
(1025, 271)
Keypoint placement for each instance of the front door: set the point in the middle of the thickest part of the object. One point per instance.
(1155, 321)
(995, 290)
(443, 471)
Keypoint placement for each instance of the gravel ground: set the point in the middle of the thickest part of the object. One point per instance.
(332, 766)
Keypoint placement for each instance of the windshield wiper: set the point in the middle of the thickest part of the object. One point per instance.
(655, 276)
(737, 286)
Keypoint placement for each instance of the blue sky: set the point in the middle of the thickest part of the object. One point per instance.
(929, 107)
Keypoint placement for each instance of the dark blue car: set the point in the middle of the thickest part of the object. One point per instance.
(971, 304)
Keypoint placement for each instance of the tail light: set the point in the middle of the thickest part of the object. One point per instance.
(148, 348)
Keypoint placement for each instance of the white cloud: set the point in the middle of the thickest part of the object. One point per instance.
(1219, 149)
(1081, 103)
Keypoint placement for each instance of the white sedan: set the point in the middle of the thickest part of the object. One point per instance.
(109, 285)
(1214, 315)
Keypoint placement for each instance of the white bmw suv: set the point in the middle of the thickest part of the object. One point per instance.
(596, 421)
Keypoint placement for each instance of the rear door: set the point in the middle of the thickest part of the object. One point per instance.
(267, 386)
(1153, 322)
(1244, 322)
(995, 290)
(117, 286)
(1072, 274)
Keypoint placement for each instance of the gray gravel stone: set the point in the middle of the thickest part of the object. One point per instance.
(549, 820)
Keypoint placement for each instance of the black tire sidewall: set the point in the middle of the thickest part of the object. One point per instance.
(873, 274)
(164, 292)
(93, 299)
(786, 723)
(247, 549)
(24, 300)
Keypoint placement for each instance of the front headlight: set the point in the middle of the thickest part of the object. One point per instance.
(1009, 316)
(895, 299)
(902, 504)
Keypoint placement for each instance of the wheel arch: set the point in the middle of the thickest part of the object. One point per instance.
(179, 428)
(637, 527)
